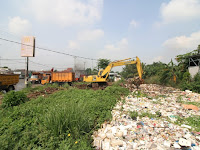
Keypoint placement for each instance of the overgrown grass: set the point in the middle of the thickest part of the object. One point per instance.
(64, 120)
(193, 121)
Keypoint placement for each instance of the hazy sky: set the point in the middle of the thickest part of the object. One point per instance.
(153, 30)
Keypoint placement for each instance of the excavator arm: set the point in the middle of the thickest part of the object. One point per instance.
(106, 71)
(103, 74)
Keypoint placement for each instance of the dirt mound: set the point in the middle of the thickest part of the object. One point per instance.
(44, 92)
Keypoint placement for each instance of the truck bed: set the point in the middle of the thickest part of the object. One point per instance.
(9, 79)
(63, 77)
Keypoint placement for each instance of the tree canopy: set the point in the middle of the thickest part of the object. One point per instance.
(103, 63)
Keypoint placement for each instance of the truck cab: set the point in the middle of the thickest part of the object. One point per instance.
(46, 79)
(34, 79)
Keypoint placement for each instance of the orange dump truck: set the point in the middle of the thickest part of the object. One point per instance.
(59, 77)
(7, 81)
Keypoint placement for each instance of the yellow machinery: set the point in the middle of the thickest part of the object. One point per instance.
(102, 76)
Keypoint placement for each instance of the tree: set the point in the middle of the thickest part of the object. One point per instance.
(89, 71)
(183, 60)
(130, 71)
(153, 69)
(169, 74)
(103, 63)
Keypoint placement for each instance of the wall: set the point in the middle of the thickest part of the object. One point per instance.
(193, 70)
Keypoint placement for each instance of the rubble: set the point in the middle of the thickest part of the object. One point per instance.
(5, 71)
(193, 107)
(152, 123)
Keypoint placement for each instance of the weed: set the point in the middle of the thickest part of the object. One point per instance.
(158, 101)
(39, 88)
(45, 122)
(119, 82)
(13, 98)
(179, 99)
(192, 103)
(66, 85)
(139, 94)
(193, 121)
(134, 115)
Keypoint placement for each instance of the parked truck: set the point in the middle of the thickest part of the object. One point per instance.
(7, 81)
(58, 77)
(36, 77)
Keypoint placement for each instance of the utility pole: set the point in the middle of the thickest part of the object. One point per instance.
(26, 72)
(84, 65)
(75, 63)
(92, 64)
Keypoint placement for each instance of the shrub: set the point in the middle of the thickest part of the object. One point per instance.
(118, 83)
(152, 80)
(134, 115)
(66, 85)
(13, 98)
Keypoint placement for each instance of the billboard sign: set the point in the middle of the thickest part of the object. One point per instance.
(28, 46)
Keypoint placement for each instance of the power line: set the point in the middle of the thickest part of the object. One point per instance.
(34, 63)
(45, 49)
(10, 59)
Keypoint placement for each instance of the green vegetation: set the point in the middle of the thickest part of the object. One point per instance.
(103, 63)
(180, 100)
(63, 120)
(139, 94)
(13, 98)
(171, 74)
(119, 83)
(193, 121)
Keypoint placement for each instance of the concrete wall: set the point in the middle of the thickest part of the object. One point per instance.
(193, 70)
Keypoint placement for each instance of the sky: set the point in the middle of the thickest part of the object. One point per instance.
(153, 30)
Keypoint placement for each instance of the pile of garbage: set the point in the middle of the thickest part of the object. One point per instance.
(155, 131)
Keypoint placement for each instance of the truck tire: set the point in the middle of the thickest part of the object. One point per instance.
(10, 88)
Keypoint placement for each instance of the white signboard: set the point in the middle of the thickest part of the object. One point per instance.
(28, 46)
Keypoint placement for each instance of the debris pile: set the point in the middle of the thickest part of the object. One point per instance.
(44, 92)
(6, 71)
(145, 122)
